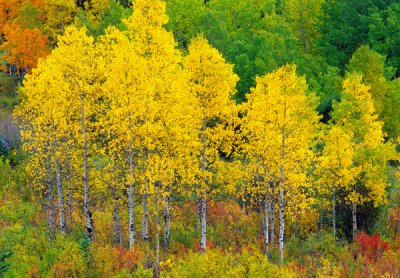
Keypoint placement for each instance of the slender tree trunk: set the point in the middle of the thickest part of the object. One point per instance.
(60, 198)
(86, 204)
(167, 220)
(131, 203)
(51, 201)
(203, 243)
(117, 225)
(69, 192)
(281, 224)
(334, 213)
(267, 206)
(145, 222)
(272, 230)
(354, 216)
(70, 205)
(281, 201)
(157, 261)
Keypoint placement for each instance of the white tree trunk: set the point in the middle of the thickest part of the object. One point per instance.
(157, 261)
(69, 191)
(60, 196)
(50, 196)
(131, 203)
(267, 206)
(281, 224)
(203, 240)
(354, 216)
(145, 222)
(131, 218)
(281, 201)
(86, 204)
(203, 243)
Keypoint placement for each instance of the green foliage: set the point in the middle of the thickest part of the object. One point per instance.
(113, 15)
(29, 16)
(391, 104)
(250, 36)
(7, 85)
(372, 67)
(344, 27)
(256, 37)
(4, 266)
(384, 34)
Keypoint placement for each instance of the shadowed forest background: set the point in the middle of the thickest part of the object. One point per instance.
(199, 138)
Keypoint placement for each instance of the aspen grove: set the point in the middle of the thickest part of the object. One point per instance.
(144, 154)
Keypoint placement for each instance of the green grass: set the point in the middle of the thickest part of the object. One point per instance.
(7, 103)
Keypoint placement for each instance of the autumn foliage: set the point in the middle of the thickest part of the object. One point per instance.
(191, 138)
(371, 247)
(24, 47)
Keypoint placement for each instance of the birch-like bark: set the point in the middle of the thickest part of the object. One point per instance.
(69, 191)
(60, 196)
(281, 224)
(167, 220)
(272, 228)
(145, 222)
(157, 261)
(50, 197)
(131, 203)
(354, 216)
(267, 206)
(203, 243)
(86, 203)
(281, 201)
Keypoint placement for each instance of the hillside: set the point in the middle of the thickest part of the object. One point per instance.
(199, 138)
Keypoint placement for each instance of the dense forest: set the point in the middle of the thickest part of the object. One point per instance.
(199, 138)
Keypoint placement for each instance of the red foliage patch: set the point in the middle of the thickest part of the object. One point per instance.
(34, 272)
(129, 259)
(371, 247)
(209, 245)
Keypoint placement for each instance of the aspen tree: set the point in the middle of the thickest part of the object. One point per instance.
(356, 115)
(335, 168)
(282, 122)
(45, 134)
(59, 14)
(212, 82)
(303, 15)
(124, 89)
(64, 89)
(162, 97)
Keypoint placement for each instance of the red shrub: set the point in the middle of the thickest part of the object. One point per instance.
(209, 243)
(129, 259)
(371, 247)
